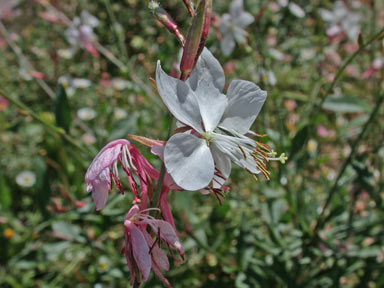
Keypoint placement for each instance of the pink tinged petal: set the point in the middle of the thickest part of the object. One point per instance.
(128, 255)
(132, 212)
(158, 256)
(179, 99)
(245, 102)
(189, 161)
(106, 157)
(156, 270)
(100, 189)
(140, 249)
(142, 164)
(211, 102)
(164, 206)
(167, 234)
(158, 151)
(209, 69)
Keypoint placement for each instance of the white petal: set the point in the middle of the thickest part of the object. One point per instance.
(240, 34)
(244, 20)
(296, 10)
(189, 161)
(208, 68)
(225, 24)
(227, 44)
(245, 102)
(236, 8)
(222, 161)
(179, 98)
(211, 102)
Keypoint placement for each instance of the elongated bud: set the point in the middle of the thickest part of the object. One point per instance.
(207, 25)
(194, 37)
(189, 6)
(166, 20)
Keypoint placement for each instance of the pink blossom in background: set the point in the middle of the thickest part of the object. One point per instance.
(3, 103)
(322, 131)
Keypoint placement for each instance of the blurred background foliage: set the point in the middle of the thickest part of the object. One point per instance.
(265, 234)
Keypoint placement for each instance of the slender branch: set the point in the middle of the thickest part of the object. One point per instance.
(24, 61)
(330, 88)
(51, 128)
(348, 161)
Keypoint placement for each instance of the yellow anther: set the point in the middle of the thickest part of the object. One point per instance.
(273, 154)
(283, 158)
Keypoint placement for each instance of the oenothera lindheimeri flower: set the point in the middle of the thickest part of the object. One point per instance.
(142, 250)
(80, 33)
(103, 170)
(219, 125)
(232, 26)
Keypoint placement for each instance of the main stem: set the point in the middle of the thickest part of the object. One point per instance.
(156, 195)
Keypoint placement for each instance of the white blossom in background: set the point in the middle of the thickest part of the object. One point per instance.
(343, 19)
(80, 33)
(71, 84)
(232, 26)
(295, 9)
(120, 84)
(86, 113)
(26, 179)
(119, 113)
(219, 126)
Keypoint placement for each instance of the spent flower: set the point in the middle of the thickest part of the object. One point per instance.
(142, 250)
(103, 170)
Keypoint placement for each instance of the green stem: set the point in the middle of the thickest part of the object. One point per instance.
(330, 88)
(51, 128)
(354, 147)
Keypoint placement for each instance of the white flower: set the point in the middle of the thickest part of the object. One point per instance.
(86, 113)
(120, 113)
(80, 32)
(81, 83)
(120, 84)
(342, 19)
(219, 124)
(26, 179)
(232, 26)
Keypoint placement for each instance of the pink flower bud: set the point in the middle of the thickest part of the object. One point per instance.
(166, 20)
(197, 34)
(189, 6)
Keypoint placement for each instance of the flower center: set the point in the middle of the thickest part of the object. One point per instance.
(208, 137)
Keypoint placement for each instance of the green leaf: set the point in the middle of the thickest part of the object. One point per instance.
(5, 194)
(62, 109)
(345, 104)
(299, 141)
(69, 231)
